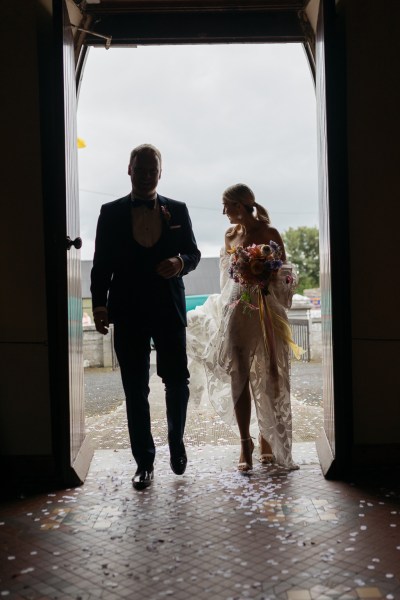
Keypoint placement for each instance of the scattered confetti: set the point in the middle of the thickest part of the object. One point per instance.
(191, 532)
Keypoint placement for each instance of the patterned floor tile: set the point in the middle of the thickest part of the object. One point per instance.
(212, 533)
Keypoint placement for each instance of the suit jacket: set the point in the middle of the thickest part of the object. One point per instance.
(123, 276)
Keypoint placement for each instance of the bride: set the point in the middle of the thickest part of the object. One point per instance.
(239, 351)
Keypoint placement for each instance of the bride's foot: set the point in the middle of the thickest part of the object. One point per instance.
(266, 455)
(246, 459)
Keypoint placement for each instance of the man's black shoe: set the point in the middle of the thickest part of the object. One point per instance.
(178, 464)
(142, 479)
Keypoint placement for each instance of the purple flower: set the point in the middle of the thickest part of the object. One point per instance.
(276, 264)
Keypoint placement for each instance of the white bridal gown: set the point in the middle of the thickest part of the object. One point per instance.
(225, 342)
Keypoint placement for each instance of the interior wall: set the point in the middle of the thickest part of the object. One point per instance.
(373, 137)
(25, 426)
(312, 13)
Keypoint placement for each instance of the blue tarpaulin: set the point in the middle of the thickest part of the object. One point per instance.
(193, 301)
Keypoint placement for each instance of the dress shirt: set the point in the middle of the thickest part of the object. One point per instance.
(146, 223)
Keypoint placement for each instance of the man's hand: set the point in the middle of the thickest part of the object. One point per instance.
(170, 267)
(101, 321)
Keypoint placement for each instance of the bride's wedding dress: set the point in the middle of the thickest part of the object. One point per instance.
(225, 342)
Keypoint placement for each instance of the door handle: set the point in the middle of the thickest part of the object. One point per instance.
(77, 243)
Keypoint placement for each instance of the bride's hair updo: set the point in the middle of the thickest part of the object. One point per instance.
(241, 193)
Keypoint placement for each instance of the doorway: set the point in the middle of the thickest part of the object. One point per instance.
(219, 114)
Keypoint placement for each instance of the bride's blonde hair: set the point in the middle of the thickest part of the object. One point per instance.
(239, 192)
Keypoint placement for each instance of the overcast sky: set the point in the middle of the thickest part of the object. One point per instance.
(219, 115)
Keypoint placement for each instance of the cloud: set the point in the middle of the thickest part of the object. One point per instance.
(220, 114)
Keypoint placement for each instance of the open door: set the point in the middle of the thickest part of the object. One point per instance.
(335, 443)
(72, 448)
(73, 245)
(326, 443)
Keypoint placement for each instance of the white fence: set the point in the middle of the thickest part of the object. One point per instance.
(98, 350)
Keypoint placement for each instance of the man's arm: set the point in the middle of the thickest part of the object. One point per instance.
(170, 267)
(189, 253)
(100, 317)
(101, 273)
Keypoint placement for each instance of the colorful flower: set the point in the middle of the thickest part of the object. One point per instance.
(253, 266)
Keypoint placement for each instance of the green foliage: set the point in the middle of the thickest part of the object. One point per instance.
(302, 248)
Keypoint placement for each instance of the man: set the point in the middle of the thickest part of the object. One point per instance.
(144, 246)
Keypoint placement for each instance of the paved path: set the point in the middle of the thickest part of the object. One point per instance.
(106, 418)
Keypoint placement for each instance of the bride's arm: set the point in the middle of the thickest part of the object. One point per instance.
(284, 284)
(223, 268)
(224, 258)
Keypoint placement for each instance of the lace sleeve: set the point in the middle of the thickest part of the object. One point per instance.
(285, 284)
(223, 268)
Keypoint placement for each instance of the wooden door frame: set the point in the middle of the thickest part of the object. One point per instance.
(222, 24)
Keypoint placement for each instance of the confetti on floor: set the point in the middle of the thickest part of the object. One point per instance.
(212, 533)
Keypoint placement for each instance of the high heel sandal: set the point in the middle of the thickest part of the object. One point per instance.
(265, 458)
(247, 445)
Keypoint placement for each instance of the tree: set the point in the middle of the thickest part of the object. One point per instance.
(302, 249)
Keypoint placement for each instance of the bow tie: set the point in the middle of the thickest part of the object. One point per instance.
(150, 204)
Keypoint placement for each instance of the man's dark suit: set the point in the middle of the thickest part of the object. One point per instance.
(143, 305)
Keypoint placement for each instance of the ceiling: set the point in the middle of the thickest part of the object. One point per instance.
(128, 6)
(113, 23)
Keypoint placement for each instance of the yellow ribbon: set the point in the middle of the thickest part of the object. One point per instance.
(273, 324)
(269, 339)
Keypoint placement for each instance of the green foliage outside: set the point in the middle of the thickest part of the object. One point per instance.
(302, 249)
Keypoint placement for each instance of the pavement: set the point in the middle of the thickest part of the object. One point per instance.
(106, 416)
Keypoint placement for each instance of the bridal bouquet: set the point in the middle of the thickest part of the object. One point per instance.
(253, 266)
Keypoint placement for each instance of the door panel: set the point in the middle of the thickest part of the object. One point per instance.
(324, 235)
(75, 332)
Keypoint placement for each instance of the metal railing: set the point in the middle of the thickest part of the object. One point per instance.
(300, 332)
(301, 336)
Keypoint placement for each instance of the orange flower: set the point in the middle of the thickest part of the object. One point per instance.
(254, 251)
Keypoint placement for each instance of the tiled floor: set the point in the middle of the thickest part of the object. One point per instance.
(212, 533)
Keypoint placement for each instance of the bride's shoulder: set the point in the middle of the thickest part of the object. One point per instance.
(231, 235)
(230, 232)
